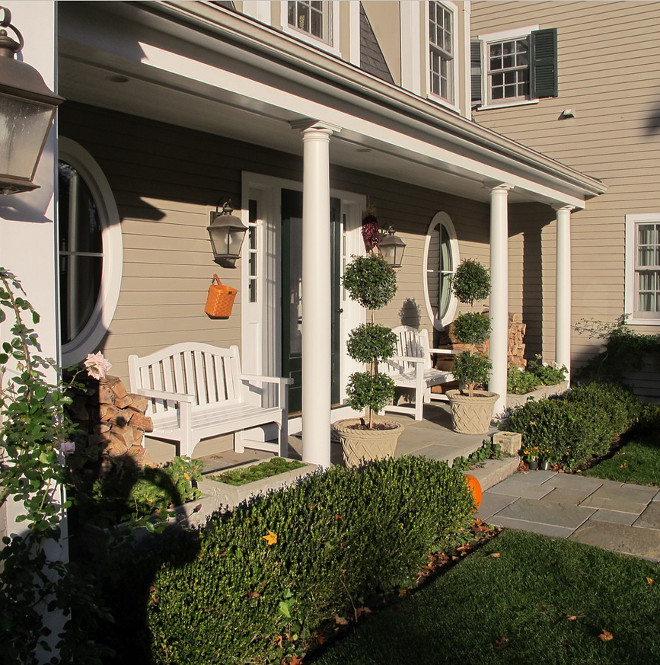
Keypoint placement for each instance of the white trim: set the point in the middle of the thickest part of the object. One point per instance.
(453, 102)
(354, 33)
(411, 46)
(257, 9)
(106, 304)
(512, 33)
(489, 107)
(445, 220)
(466, 9)
(332, 46)
(629, 282)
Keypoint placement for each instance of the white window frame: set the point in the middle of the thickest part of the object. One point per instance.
(632, 222)
(502, 36)
(98, 324)
(332, 45)
(452, 102)
(443, 219)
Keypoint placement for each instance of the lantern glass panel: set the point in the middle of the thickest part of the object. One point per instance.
(23, 128)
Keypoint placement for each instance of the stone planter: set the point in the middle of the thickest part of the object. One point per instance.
(513, 401)
(471, 415)
(363, 445)
(220, 494)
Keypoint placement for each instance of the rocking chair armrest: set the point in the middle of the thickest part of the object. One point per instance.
(445, 352)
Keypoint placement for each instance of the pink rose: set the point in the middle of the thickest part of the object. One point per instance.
(97, 366)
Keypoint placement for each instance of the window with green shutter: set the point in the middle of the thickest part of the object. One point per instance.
(514, 67)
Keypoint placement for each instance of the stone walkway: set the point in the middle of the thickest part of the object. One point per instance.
(616, 516)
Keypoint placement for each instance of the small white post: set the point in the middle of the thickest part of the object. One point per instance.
(499, 295)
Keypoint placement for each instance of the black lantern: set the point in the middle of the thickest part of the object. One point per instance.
(227, 233)
(392, 248)
(27, 108)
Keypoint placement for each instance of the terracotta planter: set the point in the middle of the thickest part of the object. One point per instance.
(471, 415)
(364, 445)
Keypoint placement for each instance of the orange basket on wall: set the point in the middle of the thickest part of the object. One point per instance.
(220, 300)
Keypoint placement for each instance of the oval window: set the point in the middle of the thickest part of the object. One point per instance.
(90, 251)
(440, 261)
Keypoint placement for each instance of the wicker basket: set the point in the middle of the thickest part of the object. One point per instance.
(220, 300)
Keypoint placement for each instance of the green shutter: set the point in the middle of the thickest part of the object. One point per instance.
(544, 63)
(475, 67)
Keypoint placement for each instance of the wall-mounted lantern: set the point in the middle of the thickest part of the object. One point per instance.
(392, 248)
(27, 108)
(227, 233)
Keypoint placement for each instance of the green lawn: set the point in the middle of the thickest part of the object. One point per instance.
(636, 462)
(522, 598)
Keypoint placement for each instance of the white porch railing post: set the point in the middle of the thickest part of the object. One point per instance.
(316, 275)
(563, 295)
(499, 295)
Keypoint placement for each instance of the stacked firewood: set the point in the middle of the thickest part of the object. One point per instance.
(516, 344)
(113, 419)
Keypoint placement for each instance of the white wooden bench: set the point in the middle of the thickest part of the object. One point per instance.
(411, 368)
(197, 391)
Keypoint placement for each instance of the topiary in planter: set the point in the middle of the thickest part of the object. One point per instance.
(471, 282)
(370, 281)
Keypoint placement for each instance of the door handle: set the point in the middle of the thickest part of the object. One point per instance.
(340, 310)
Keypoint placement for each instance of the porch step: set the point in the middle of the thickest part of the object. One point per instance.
(495, 470)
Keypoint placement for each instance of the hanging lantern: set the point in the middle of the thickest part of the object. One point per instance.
(392, 248)
(227, 233)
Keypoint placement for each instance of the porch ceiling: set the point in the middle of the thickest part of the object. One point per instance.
(116, 56)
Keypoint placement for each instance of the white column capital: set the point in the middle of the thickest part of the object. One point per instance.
(563, 208)
(308, 126)
(501, 188)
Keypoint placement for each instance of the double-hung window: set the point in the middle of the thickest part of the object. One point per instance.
(441, 51)
(643, 268)
(512, 67)
(311, 18)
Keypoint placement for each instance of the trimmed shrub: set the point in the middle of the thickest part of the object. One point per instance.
(578, 425)
(259, 580)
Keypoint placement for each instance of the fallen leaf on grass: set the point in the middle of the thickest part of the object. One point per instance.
(502, 642)
(296, 660)
(624, 465)
(571, 617)
(341, 621)
(649, 580)
(362, 611)
(606, 636)
(494, 555)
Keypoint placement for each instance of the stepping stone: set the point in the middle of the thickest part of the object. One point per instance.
(534, 527)
(650, 518)
(515, 487)
(625, 498)
(543, 512)
(493, 503)
(620, 538)
(570, 497)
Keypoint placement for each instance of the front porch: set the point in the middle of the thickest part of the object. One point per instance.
(431, 437)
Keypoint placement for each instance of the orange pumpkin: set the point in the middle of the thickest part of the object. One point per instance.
(474, 487)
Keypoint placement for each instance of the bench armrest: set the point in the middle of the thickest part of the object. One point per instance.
(267, 379)
(162, 394)
(445, 352)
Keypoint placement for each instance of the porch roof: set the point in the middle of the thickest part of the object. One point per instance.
(198, 65)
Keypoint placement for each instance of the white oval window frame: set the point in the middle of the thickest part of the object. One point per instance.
(99, 321)
(443, 219)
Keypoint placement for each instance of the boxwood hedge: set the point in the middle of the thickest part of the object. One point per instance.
(258, 581)
(580, 424)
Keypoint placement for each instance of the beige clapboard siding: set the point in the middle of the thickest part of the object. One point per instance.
(608, 54)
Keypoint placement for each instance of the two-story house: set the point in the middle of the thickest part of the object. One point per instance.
(305, 115)
(595, 107)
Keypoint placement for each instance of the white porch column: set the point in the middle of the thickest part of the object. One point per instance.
(499, 295)
(563, 303)
(317, 286)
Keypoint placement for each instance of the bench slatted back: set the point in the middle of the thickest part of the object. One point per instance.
(410, 342)
(209, 373)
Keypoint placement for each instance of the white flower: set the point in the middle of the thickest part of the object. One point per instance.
(67, 447)
(97, 366)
